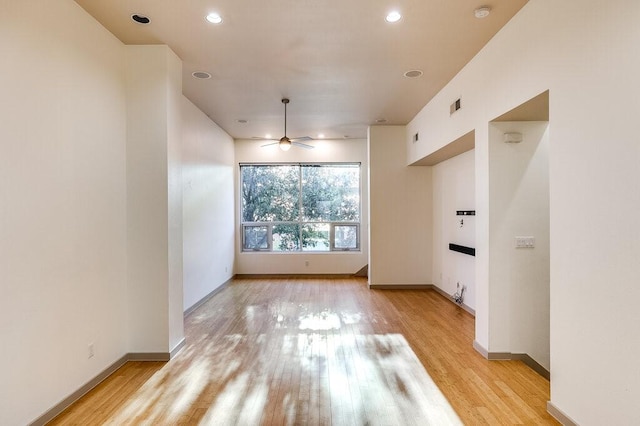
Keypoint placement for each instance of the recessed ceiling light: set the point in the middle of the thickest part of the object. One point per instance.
(267, 136)
(201, 75)
(140, 19)
(214, 18)
(393, 16)
(413, 73)
(320, 135)
(242, 121)
(482, 12)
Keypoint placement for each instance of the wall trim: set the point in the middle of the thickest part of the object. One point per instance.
(480, 349)
(267, 276)
(177, 348)
(208, 296)
(401, 286)
(103, 375)
(149, 356)
(62, 405)
(533, 364)
(422, 287)
(559, 415)
(450, 297)
(508, 356)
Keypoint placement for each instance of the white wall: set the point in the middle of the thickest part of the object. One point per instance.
(250, 151)
(62, 204)
(208, 204)
(400, 212)
(91, 172)
(154, 200)
(579, 50)
(174, 199)
(519, 206)
(454, 189)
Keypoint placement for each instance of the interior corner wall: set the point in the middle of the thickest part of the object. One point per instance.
(453, 190)
(328, 151)
(62, 204)
(519, 206)
(400, 235)
(208, 204)
(579, 51)
(154, 199)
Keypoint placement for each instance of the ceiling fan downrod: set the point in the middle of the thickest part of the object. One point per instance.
(285, 101)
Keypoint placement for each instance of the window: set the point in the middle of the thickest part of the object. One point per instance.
(300, 207)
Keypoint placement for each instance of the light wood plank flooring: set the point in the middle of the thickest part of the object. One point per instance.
(292, 351)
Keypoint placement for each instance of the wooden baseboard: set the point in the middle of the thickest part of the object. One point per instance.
(177, 348)
(60, 407)
(73, 397)
(401, 286)
(559, 415)
(480, 349)
(207, 297)
(292, 276)
(533, 364)
(450, 297)
(421, 287)
(508, 356)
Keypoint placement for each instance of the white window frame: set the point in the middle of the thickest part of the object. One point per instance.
(269, 227)
(300, 223)
(332, 236)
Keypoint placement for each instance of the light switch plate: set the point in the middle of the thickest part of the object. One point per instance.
(525, 242)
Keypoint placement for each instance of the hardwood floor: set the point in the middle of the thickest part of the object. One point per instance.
(320, 351)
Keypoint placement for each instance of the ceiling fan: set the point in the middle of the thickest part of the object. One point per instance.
(284, 142)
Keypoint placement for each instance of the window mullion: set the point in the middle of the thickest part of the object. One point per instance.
(300, 204)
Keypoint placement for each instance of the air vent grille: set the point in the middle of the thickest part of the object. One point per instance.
(455, 106)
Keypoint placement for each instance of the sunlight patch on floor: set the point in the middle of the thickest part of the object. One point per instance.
(363, 379)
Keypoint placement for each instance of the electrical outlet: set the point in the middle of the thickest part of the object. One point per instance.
(91, 352)
(306, 263)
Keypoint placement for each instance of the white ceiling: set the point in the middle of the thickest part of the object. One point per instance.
(339, 61)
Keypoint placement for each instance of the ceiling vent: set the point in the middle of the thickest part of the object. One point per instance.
(202, 75)
(455, 106)
(513, 137)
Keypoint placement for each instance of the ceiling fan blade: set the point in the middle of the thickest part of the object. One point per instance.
(302, 145)
(269, 144)
(303, 138)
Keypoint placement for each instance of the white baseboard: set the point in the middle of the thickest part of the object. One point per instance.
(559, 415)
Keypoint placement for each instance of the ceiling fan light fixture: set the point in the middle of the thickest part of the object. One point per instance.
(285, 144)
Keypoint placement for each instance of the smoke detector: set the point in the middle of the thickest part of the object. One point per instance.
(482, 12)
